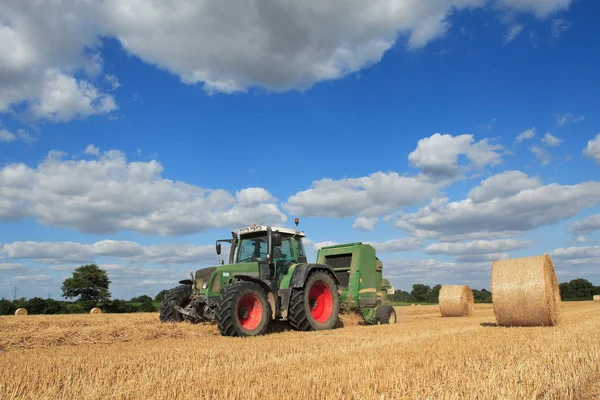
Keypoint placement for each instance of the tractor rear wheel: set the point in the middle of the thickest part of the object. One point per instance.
(316, 306)
(179, 296)
(385, 314)
(243, 310)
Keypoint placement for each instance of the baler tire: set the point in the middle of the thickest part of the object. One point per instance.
(384, 313)
(179, 296)
(227, 315)
(299, 312)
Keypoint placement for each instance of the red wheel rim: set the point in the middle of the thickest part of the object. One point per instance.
(320, 301)
(250, 312)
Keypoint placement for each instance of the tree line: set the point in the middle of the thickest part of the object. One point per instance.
(89, 286)
(575, 290)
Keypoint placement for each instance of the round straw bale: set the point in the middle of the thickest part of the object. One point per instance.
(21, 311)
(597, 298)
(525, 292)
(456, 301)
(95, 310)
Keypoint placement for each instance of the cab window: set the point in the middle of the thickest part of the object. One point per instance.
(252, 249)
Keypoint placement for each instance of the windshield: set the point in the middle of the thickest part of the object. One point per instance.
(255, 249)
(252, 249)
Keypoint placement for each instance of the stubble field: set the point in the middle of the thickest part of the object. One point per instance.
(424, 356)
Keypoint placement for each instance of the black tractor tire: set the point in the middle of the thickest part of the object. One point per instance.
(385, 314)
(316, 306)
(179, 296)
(243, 310)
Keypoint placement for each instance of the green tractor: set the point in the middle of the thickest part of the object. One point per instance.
(269, 278)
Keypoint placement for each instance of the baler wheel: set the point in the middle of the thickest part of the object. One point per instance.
(179, 296)
(315, 306)
(385, 314)
(243, 310)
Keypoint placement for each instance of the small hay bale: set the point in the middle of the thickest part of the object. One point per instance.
(525, 292)
(95, 310)
(456, 301)
(597, 298)
(21, 311)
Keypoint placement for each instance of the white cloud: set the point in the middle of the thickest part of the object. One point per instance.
(438, 155)
(541, 154)
(586, 225)
(237, 45)
(394, 245)
(513, 32)
(92, 150)
(365, 224)
(541, 8)
(72, 252)
(593, 148)
(564, 119)
(64, 98)
(6, 136)
(551, 140)
(110, 194)
(503, 185)
(369, 196)
(501, 216)
(559, 26)
(6, 268)
(581, 253)
(46, 43)
(528, 134)
(477, 247)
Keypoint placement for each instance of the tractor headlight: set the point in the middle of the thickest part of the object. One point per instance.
(204, 285)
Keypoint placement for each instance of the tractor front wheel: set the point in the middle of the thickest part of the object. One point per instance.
(385, 314)
(316, 306)
(179, 296)
(243, 310)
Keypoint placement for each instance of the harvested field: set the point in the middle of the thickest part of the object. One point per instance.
(423, 356)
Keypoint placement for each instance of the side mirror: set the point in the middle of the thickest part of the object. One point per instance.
(218, 248)
(276, 239)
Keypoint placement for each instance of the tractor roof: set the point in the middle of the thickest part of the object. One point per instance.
(263, 228)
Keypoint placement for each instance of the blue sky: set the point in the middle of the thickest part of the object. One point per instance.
(135, 133)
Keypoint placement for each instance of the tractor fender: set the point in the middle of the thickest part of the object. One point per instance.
(302, 271)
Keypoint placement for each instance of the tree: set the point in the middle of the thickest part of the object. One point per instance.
(161, 295)
(434, 294)
(420, 292)
(90, 283)
(142, 299)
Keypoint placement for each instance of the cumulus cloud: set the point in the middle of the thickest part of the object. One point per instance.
(110, 194)
(541, 154)
(593, 148)
(438, 155)
(365, 224)
(528, 134)
(477, 247)
(6, 136)
(394, 245)
(368, 196)
(563, 119)
(586, 225)
(503, 185)
(92, 150)
(501, 215)
(46, 44)
(237, 45)
(551, 140)
(513, 32)
(72, 252)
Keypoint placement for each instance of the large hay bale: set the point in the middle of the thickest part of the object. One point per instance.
(597, 298)
(21, 311)
(95, 310)
(456, 301)
(525, 292)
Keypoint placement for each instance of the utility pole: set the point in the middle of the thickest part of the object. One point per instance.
(15, 290)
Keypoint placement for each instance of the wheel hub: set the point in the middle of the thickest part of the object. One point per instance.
(244, 312)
